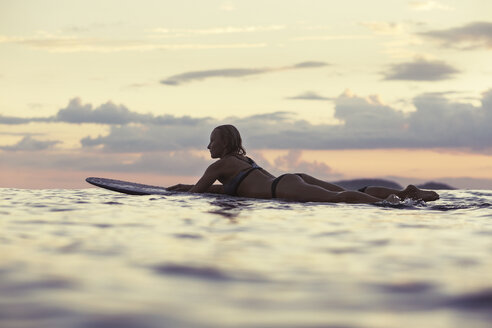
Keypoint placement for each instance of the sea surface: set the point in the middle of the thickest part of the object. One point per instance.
(92, 258)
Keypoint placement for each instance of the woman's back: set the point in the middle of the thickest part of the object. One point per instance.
(242, 177)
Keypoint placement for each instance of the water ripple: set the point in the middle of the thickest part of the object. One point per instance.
(93, 258)
(181, 270)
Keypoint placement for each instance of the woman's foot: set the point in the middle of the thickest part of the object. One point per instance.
(393, 199)
(415, 193)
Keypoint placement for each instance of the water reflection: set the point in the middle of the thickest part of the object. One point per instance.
(229, 208)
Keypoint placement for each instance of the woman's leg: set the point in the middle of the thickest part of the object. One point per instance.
(379, 192)
(293, 187)
(323, 184)
(409, 192)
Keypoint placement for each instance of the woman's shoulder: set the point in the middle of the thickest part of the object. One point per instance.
(231, 161)
(223, 162)
(239, 157)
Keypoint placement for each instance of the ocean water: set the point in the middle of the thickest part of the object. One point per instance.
(96, 258)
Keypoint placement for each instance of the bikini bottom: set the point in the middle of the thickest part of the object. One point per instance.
(277, 180)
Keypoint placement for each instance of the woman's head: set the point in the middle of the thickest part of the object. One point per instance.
(228, 138)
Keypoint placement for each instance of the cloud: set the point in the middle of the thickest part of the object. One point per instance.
(366, 123)
(440, 123)
(332, 37)
(177, 163)
(175, 33)
(421, 70)
(201, 75)
(30, 144)
(165, 163)
(308, 64)
(429, 5)
(57, 43)
(108, 113)
(151, 138)
(12, 120)
(268, 118)
(468, 37)
(291, 162)
(310, 95)
(234, 72)
(359, 113)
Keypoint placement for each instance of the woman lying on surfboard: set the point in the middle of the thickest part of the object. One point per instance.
(241, 176)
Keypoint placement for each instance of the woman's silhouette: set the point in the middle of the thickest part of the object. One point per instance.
(241, 176)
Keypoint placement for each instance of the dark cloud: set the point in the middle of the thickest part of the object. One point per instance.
(367, 123)
(30, 144)
(421, 70)
(131, 138)
(471, 36)
(11, 120)
(23, 134)
(360, 113)
(309, 64)
(201, 75)
(310, 95)
(234, 72)
(108, 113)
(440, 123)
(268, 118)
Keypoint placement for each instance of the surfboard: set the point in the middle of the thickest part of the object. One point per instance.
(127, 187)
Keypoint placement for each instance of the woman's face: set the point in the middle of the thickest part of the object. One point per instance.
(217, 145)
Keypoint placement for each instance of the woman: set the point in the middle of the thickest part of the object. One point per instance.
(241, 176)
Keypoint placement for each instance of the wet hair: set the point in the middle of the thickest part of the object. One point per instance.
(232, 138)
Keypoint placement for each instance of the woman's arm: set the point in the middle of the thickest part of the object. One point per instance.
(205, 183)
(214, 189)
(180, 187)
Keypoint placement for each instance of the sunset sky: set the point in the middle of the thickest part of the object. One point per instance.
(396, 89)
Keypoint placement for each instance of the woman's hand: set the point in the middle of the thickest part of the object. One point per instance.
(180, 187)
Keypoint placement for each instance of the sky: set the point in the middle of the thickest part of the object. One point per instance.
(396, 89)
